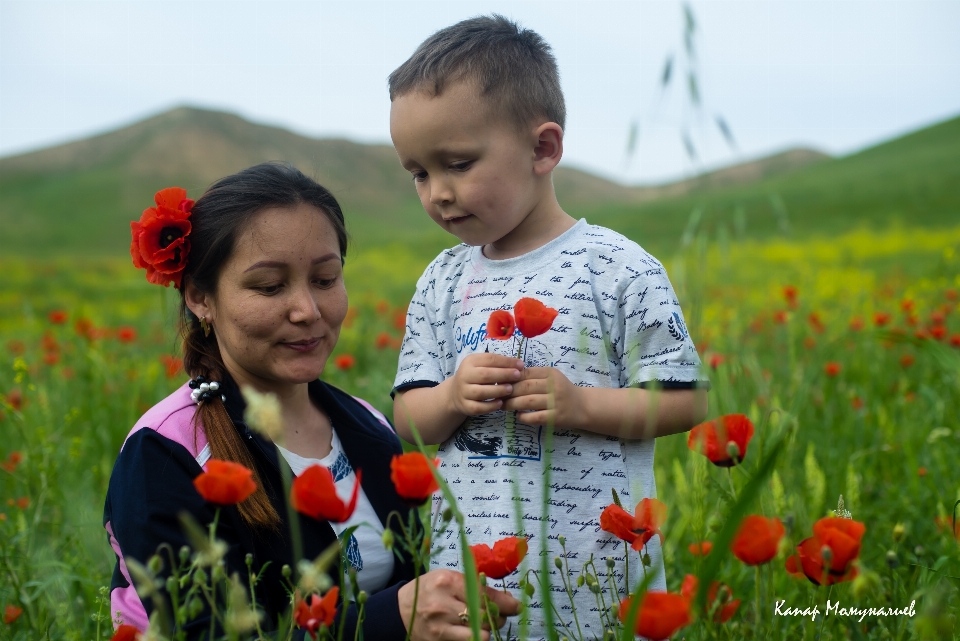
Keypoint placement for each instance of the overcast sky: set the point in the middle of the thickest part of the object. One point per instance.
(836, 75)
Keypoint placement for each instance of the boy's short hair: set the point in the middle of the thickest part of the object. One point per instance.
(513, 67)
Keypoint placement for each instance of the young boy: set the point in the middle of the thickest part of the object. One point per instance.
(477, 118)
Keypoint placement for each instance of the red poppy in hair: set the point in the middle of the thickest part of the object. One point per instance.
(160, 242)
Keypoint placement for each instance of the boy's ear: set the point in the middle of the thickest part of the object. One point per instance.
(548, 149)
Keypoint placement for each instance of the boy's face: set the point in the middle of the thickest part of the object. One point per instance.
(473, 169)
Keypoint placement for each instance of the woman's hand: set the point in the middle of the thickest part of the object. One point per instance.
(441, 599)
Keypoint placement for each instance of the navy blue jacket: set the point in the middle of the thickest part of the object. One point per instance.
(152, 483)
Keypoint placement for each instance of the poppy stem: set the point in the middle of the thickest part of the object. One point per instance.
(626, 562)
(733, 488)
(829, 590)
(756, 587)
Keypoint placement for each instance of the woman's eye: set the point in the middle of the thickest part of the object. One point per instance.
(268, 289)
(325, 282)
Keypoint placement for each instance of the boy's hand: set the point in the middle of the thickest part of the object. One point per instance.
(481, 381)
(551, 397)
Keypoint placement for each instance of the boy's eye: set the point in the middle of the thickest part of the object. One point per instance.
(462, 165)
(419, 176)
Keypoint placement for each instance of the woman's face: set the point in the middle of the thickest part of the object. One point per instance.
(280, 299)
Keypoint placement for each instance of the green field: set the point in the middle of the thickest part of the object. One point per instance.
(860, 236)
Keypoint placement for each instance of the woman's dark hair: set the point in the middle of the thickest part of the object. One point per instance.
(218, 218)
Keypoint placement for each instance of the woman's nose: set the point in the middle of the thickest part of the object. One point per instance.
(304, 306)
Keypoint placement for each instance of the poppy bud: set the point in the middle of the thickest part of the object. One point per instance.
(892, 560)
(595, 588)
(493, 609)
(733, 450)
(918, 550)
(827, 555)
(447, 514)
(155, 564)
(482, 578)
(562, 539)
(865, 584)
(580, 581)
(248, 559)
(528, 589)
(172, 585)
(557, 561)
(898, 531)
(285, 571)
(184, 554)
(219, 572)
(714, 524)
(362, 597)
(387, 539)
(646, 560)
(610, 562)
(200, 577)
(195, 607)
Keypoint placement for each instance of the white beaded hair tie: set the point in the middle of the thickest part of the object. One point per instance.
(204, 390)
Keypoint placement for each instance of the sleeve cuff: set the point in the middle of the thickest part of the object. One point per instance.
(668, 385)
(403, 387)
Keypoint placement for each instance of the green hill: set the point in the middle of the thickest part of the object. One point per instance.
(79, 197)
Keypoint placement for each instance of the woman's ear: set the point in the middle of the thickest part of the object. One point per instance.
(197, 302)
(548, 148)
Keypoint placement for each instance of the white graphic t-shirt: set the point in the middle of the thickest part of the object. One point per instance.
(619, 325)
(365, 551)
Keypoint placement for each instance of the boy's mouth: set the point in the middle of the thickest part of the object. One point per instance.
(457, 220)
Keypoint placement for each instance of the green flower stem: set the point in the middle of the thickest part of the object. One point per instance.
(293, 519)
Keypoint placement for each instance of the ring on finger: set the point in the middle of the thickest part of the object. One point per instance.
(464, 616)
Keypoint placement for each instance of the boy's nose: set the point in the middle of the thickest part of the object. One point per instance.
(440, 192)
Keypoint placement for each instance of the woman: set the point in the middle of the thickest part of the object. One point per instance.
(258, 262)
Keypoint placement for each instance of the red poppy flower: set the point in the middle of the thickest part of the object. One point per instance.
(938, 332)
(792, 565)
(906, 360)
(809, 342)
(842, 537)
(757, 539)
(856, 323)
(815, 322)
(126, 334)
(955, 340)
(126, 632)
(856, 403)
(944, 523)
(726, 610)
(49, 343)
(660, 615)
(16, 347)
(400, 320)
(780, 317)
(13, 460)
(172, 365)
(345, 361)
(57, 317)
(11, 613)
(159, 240)
(411, 476)
(700, 549)
(23, 502)
(318, 612)
(906, 305)
(225, 482)
(503, 559)
(881, 318)
(713, 438)
(382, 306)
(716, 360)
(51, 358)
(938, 317)
(500, 325)
(832, 368)
(84, 328)
(533, 317)
(382, 340)
(315, 494)
(921, 471)
(15, 399)
(638, 529)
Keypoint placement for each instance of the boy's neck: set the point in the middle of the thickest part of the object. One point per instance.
(544, 223)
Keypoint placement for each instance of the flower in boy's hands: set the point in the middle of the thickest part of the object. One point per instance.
(533, 317)
(314, 493)
(225, 482)
(412, 477)
(503, 559)
(500, 325)
(318, 612)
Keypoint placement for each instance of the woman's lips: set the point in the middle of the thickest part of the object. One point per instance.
(303, 346)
